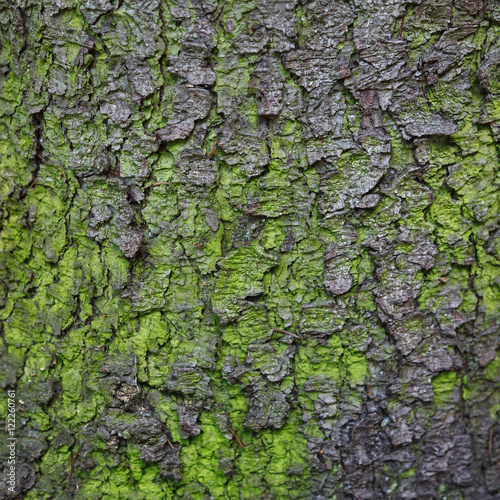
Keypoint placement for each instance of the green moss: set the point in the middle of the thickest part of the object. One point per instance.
(408, 473)
(357, 368)
(492, 368)
(243, 272)
(447, 213)
(443, 386)
(274, 234)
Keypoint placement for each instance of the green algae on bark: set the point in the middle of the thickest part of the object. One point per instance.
(251, 249)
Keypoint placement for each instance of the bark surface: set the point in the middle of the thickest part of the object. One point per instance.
(250, 249)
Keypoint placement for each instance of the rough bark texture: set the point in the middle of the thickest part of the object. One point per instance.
(250, 249)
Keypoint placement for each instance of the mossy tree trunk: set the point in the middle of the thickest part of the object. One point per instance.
(250, 249)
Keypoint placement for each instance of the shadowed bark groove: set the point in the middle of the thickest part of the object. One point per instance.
(250, 249)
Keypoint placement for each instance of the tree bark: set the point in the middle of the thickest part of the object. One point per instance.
(250, 249)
